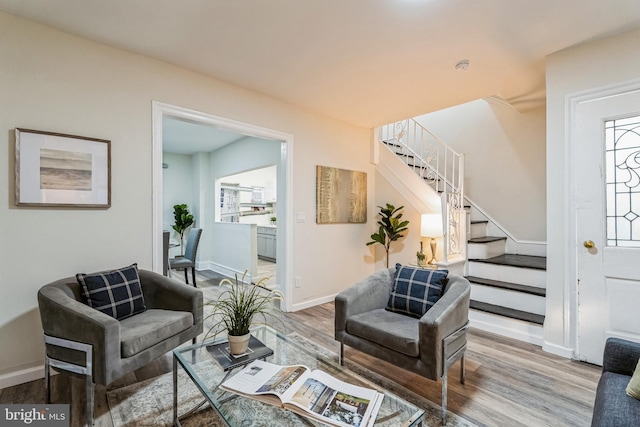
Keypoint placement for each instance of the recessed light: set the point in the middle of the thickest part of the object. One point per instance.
(462, 65)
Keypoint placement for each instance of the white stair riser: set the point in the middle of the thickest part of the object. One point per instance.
(478, 229)
(505, 326)
(508, 298)
(505, 273)
(486, 250)
(474, 214)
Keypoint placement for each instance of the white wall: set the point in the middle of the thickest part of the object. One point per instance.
(403, 250)
(504, 161)
(247, 154)
(177, 183)
(57, 82)
(589, 66)
(236, 249)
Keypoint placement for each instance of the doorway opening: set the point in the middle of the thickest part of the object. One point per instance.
(207, 163)
(250, 197)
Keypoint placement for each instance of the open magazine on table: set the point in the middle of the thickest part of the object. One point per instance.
(314, 394)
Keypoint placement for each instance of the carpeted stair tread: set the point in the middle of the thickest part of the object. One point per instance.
(507, 312)
(533, 290)
(522, 261)
(487, 239)
(391, 143)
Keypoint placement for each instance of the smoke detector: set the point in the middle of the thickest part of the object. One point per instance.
(462, 65)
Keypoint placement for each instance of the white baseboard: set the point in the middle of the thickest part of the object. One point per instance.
(21, 376)
(558, 350)
(313, 302)
(223, 270)
(511, 328)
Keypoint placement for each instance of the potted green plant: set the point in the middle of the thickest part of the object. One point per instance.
(421, 256)
(238, 308)
(183, 221)
(273, 220)
(390, 227)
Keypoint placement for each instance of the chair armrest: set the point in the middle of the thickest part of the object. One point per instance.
(168, 294)
(620, 356)
(64, 317)
(449, 314)
(371, 293)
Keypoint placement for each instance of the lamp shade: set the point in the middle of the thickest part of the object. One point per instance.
(431, 225)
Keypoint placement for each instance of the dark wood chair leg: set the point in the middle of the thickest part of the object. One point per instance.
(193, 274)
(186, 275)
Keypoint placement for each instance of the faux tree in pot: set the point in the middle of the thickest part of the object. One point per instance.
(238, 308)
(391, 227)
(183, 221)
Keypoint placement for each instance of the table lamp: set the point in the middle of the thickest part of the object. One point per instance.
(431, 226)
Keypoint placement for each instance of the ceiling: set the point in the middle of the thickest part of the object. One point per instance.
(186, 137)
(366, 62)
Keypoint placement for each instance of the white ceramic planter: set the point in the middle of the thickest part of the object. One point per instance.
(238, 344)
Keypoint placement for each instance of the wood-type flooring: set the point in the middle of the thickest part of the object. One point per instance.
(508, 384)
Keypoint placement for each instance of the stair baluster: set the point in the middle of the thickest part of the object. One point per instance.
(439, 166)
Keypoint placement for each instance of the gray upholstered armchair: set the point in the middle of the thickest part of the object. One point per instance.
(84, 340)
(613, 407)
(427, 346)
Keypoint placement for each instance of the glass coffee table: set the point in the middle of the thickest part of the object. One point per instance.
(236, 411)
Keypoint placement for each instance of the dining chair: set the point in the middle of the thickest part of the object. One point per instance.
(189, 259)
(165, 253)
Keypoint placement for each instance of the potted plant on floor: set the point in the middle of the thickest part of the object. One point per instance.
(183, 221)
(239, 307)
(390, 227)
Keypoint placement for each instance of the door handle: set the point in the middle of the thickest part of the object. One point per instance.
(589, 244)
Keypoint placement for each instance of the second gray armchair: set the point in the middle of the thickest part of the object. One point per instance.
(427, 346)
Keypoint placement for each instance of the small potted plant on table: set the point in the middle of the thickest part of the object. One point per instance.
(238, 307)
(421, 257)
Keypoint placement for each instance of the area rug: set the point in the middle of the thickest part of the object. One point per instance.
(150, 403)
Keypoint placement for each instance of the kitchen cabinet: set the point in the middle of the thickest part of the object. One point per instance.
(237, 201)
(267, 243)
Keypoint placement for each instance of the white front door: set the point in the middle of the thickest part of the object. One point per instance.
(606, 142)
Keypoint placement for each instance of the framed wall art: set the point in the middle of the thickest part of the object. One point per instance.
(341, 196)
(54, 169)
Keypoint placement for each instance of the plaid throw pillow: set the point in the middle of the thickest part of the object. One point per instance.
(416, 290)
(116, 293)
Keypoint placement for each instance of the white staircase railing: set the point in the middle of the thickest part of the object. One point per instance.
(440, 167)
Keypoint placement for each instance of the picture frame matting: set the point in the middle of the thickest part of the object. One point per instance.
(61, 170)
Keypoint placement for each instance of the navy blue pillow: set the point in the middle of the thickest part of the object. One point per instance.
(117, 293)
(416, 290)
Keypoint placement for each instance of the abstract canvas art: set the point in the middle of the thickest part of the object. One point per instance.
(341, 196)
